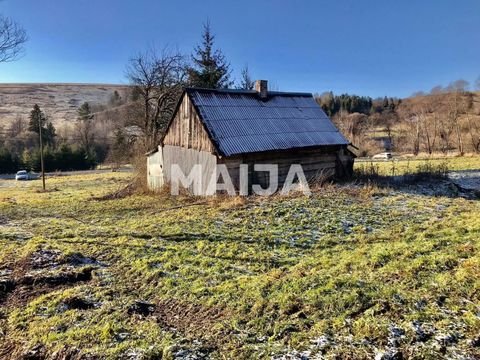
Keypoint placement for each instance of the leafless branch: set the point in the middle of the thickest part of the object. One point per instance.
(12, 39)
(159, 79)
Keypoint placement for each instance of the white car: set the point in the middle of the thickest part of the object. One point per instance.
(384, 156)
(22, 175)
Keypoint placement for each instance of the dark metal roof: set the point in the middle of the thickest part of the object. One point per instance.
(241, 122)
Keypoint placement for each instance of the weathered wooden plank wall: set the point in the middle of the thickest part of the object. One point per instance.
(186, 129)
(316, 164)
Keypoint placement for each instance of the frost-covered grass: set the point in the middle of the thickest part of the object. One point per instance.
(350, 271)
(402, 166)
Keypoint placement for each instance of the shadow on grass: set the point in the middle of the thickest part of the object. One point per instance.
(428, 184)
(187, 237)
(175, 238)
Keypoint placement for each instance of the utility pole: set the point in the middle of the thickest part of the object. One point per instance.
(41, 152)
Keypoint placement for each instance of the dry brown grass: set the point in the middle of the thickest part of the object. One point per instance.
(59, 101)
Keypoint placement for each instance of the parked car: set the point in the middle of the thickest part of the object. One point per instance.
(384, 156)
(22, 175)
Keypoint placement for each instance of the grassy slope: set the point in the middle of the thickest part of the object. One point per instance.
(257, 276)
(59, 101)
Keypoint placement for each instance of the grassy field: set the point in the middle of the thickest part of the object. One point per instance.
(401, 166)
(351, 272)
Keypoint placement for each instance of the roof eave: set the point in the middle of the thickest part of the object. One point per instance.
(309, 147)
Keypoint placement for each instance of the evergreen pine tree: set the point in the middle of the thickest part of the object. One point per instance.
(37, 119)
(210, 68)
(50, 133)
(86, 131)
(385, 102)
(84, 112)
(392, 104)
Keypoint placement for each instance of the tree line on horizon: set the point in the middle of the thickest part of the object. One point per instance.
(333, 104)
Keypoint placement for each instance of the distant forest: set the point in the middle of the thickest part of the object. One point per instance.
(444, 121)
(333, 104)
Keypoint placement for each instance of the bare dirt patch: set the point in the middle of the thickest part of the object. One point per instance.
(40, 273)
(191, 319)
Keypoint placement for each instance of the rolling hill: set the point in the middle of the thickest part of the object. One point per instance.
(59, 101)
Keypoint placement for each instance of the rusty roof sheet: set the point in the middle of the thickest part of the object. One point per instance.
(241, 122)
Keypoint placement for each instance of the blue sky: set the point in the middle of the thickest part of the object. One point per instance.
(375, 48)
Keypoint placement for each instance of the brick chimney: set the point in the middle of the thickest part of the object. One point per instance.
(261, 86)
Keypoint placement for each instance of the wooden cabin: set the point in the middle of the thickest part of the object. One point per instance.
(234, 127)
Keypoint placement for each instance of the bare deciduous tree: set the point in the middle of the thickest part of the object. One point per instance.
(17, 126)
(158, 80)
(12, 39)
(415, 125)
(438, 89)
(426, 127)
(459, 86)
(352, 125)
(456, 106)
(474, 131)
(445, 133)
(246, 82)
